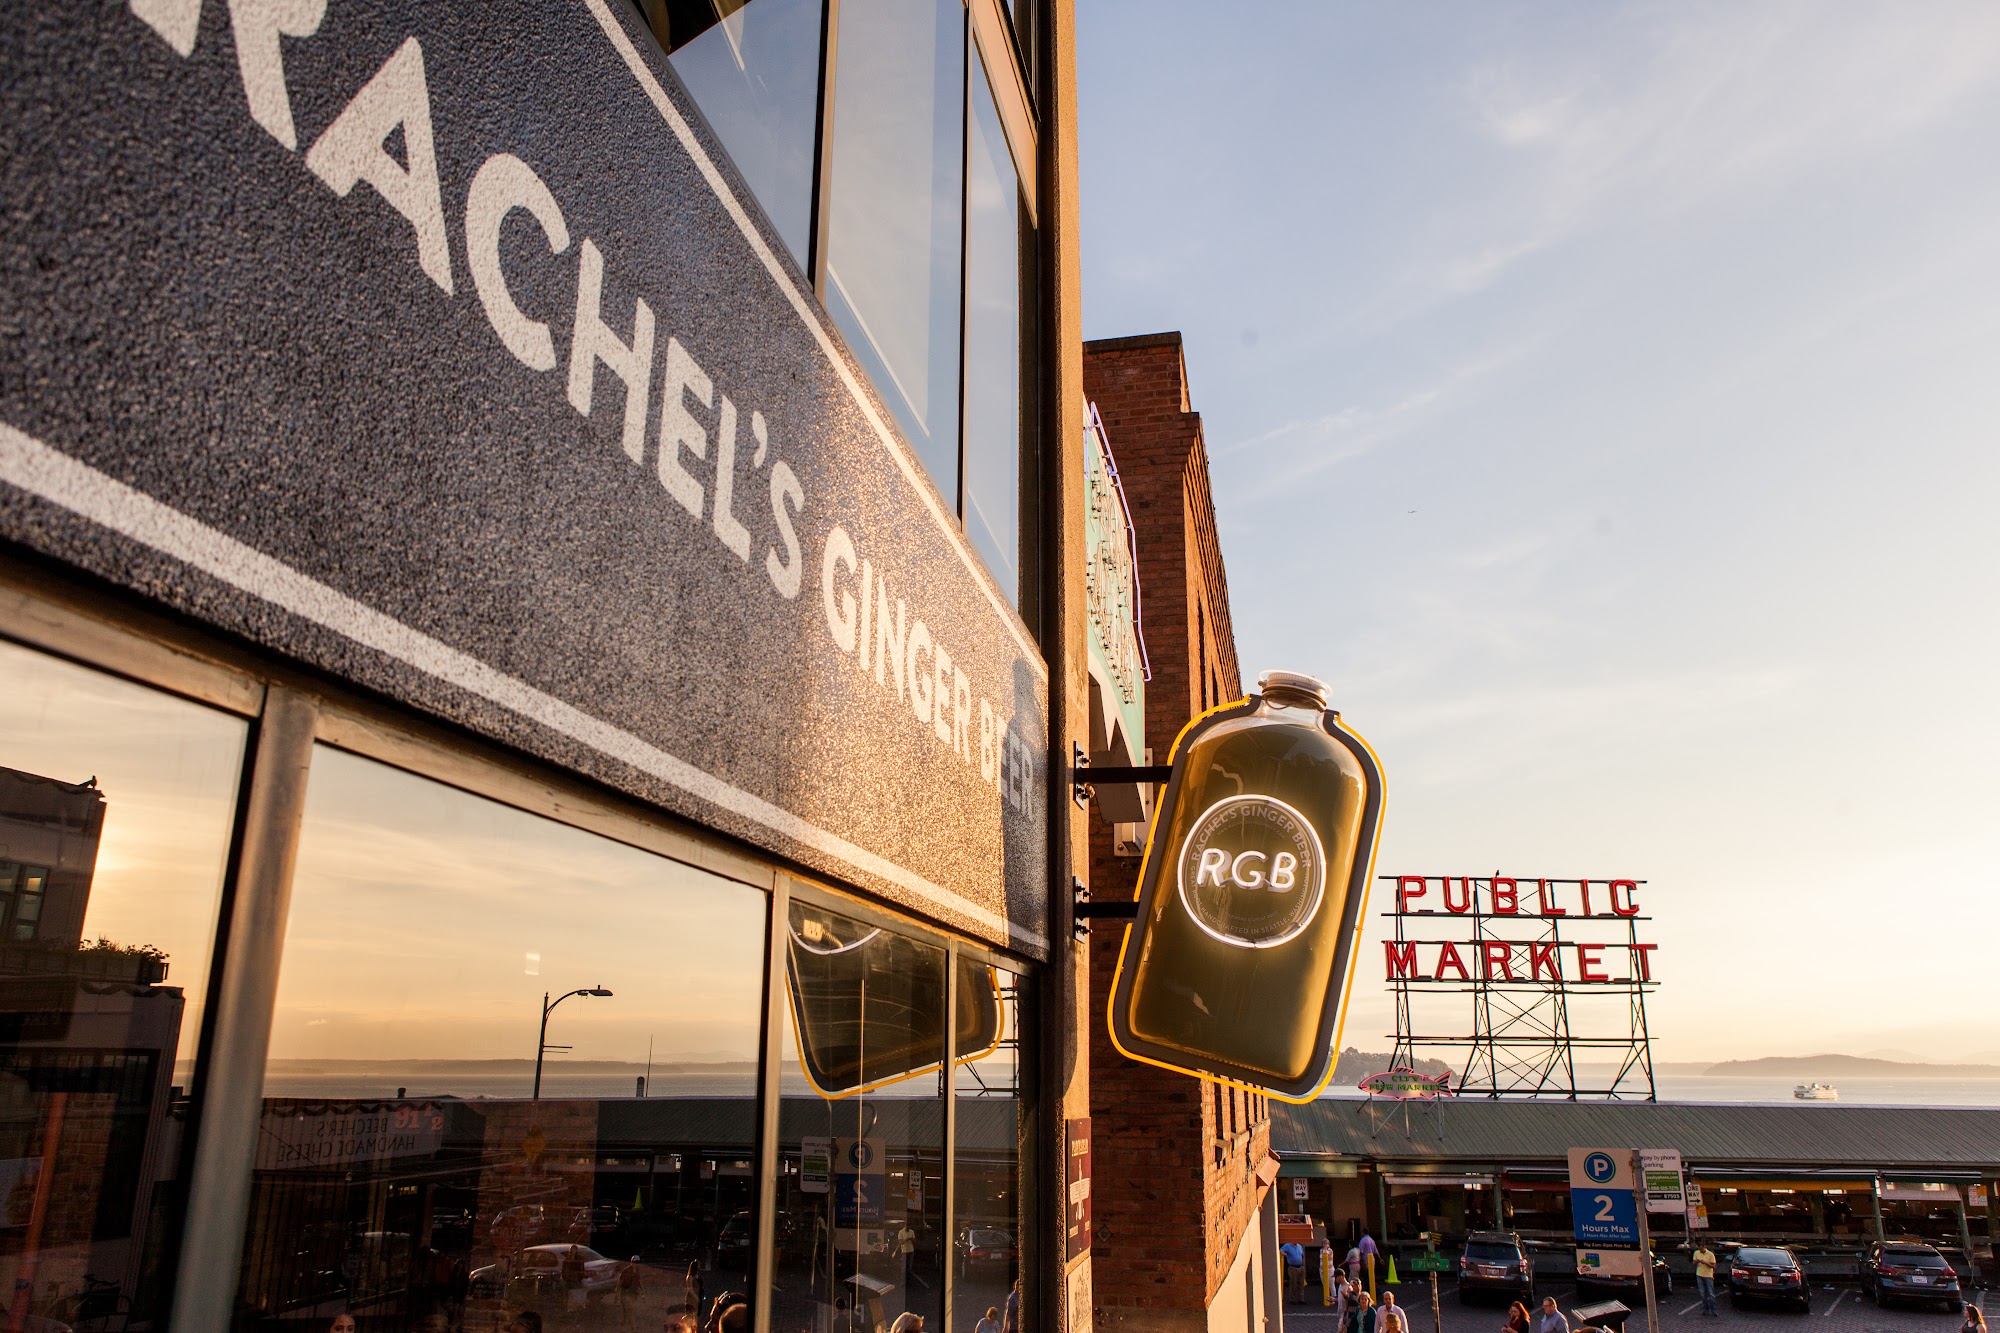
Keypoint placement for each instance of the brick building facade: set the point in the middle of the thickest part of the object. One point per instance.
(1179, 1165)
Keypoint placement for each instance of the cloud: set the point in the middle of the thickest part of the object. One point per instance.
(1682, 111)
(1307, 445)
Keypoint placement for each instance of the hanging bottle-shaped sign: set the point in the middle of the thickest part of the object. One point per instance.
(1251, 894)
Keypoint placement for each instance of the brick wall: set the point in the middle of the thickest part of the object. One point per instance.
(1173, 1158)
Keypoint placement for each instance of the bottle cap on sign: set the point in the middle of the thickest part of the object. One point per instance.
(1293, 682)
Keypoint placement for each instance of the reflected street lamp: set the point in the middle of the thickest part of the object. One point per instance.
(542, 1046)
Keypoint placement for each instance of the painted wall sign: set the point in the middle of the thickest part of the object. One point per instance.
(438, 347)
(1111, 587)
(1076, 1178)
(1250, 894)
(291, 1138)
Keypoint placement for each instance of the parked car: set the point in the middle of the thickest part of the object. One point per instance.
(1629, 1288)
(985, 1245)
(537, 1275)
(1910, 1270)
(1493, 1263)
(1760, 1273)
(733, 1243)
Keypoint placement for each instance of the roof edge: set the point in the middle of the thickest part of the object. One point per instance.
(1171, 338)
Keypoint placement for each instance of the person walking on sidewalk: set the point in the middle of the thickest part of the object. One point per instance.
(1704, 1279)
(1391, 1318)
(1294, 1255)
(1517, 1319)
(1368, 1253)
(1552, 1320)
(1363, 1316)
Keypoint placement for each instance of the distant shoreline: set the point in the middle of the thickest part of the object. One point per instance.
(1843, 1066)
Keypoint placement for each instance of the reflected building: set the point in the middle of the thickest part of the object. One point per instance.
(88, 1123)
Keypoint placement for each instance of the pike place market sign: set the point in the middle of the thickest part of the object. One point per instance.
(437, 346)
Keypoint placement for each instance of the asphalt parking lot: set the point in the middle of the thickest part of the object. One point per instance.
(1838, 1309)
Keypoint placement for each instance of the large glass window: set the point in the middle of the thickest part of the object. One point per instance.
(993, 233)
(862, 1234)
(921, 245)
(990, 1223)
(115, 810)
(444, 953)
(755, 74)
(892, 279)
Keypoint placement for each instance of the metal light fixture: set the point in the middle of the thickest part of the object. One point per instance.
(542, 1046)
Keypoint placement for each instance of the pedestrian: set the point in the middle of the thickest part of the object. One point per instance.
(1010, 1314)
(991, 1323)
(1363, 1315)
(1975, 1322)
(1327, 1268)
(1354, 1263)
(1552, 1320)
(342, 1323)
(1344, 1293)
(1517, 1319)
(1391, 1318)
(1704, 1279)
(1294, 1255)
(1368, 1253)
(908, 1322)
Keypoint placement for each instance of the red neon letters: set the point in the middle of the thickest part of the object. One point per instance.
(1576, 903)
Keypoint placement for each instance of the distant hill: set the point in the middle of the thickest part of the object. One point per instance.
(1845, 1066)
(1355, 1065)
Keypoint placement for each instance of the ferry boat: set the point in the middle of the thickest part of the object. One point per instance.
(1816, 1092)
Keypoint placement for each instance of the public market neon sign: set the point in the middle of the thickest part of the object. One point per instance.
(1487, 905)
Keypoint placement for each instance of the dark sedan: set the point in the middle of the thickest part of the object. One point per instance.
(1908, 1270)
(1758, 1274)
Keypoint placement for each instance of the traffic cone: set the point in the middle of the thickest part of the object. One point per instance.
(1392, 1279)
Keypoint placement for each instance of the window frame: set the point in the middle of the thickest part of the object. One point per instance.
(992, 39)
(290, 713)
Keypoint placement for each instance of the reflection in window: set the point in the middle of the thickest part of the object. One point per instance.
(755, 74)
(992, 343)
(115, 810)
(405, 1173)
(861, 1225)
(987, 1230)
(892, 279)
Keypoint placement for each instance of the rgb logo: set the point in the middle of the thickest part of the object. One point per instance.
(1252, 872)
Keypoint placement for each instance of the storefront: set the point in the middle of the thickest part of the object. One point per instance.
(1826, 1180)
(534, 545)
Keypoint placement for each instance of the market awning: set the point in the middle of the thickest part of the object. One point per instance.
(1317, 1168)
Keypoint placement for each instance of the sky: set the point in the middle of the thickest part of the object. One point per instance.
(1603, 398)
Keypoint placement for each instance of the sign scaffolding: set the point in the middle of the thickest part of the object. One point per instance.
(1529, 987)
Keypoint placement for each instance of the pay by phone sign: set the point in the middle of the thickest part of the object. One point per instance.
(1665, 1192)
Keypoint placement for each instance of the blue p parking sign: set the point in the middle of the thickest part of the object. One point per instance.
(860, 1182)
(1605, 1217)
(1599, 1167)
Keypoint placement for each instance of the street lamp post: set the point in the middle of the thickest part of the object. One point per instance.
(542, 1042)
